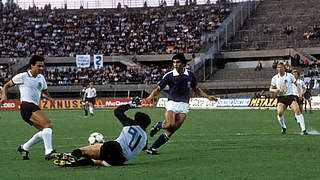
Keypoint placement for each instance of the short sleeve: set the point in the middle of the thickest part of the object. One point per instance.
(293, 79)
(194, 81)
(45, 86)
(164, 81)
(18, 79)
(273, 82)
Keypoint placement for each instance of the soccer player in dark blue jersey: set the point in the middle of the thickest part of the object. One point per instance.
(180, 82)
(307, 97)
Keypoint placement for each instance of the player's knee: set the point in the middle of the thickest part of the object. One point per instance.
(171, 129)
(48, 125)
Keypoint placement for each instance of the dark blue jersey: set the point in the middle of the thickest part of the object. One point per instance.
(179, 85)
(82, 92)
(307, 94)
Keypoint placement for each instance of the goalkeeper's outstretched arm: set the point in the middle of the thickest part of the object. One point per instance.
(119, 112)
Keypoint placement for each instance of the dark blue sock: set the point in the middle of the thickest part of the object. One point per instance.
(160, 125)
(163, 138)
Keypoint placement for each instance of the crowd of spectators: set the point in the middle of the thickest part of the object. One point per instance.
(120, 31)
(109, 74)
(312, 34)
(309, 69)
(112, 74)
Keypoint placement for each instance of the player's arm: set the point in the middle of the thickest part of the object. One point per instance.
(201, 93)
(119, 112)
(153, 94)
(45, 94)
(274, 89)
(298, 88)
(5, 91)
(84, 96)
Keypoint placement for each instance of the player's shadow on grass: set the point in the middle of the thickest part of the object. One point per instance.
(157, 161)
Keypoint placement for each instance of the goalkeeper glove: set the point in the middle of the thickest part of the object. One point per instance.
(136, 102)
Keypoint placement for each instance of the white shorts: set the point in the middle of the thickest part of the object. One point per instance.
(177, 107)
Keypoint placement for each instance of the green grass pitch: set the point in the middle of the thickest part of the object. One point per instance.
(211, 144)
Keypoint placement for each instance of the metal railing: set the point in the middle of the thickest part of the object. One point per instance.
(224, 33)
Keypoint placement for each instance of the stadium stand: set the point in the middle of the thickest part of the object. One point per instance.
(152, 34)
(64, 33)
(278, 24)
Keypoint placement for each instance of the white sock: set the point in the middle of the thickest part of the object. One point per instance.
(300, 120)
(47, 139)
(34, 140)
(281, 121)
(91, 110)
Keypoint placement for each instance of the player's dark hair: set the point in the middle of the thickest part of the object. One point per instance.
(295, 70)
(34, 59)
(142, 119)
(181, 57)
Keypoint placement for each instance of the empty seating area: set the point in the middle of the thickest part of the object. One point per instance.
(278, 24)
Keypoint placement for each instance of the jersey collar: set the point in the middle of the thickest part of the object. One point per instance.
(285, 74)
(175, 72)
(30, 75)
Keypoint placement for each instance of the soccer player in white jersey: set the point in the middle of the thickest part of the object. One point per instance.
(130, 143)
(32, 86)
(180, 82)
(282, 84)
(90, 95)
(83, 102)
(300, 84)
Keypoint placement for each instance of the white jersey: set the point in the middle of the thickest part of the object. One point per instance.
(132, 140)
(284, 83)
(301, 85)
(91, 92)
(30, 87)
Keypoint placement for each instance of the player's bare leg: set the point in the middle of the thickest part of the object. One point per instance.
(169, 125)
(86, 109)
(91, 108)
(300, 119)
(92, 151)
(43, 124)
(280, 110)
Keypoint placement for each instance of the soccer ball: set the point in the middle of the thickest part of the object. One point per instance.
(95, 138)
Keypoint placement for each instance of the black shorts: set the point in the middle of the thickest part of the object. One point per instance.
(299, 101)
(287, 100)
(307, 96)
(26, 110)
(91, 100)
(111, 152)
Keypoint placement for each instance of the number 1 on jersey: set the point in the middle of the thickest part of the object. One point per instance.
(134, 138)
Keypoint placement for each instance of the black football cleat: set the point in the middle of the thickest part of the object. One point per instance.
(24, 153)
(284, 131)
(51, 155)
(305, 132)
